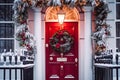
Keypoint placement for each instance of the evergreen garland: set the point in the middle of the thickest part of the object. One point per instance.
(102, 30)
(101, 11)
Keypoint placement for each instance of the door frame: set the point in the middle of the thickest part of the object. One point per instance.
(80, 37)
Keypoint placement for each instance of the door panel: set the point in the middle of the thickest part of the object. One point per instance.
(60, 67)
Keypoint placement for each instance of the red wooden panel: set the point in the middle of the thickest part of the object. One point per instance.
(61, 70)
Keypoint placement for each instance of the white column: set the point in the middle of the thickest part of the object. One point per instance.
(38, 36)
(87, 47)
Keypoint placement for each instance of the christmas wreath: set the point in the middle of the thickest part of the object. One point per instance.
(61, 41)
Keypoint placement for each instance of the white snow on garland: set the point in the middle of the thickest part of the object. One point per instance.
(23, 34)
(102, 30)
(26, 39)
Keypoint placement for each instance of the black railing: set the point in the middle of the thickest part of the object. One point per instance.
(16, 67)
(26, 72)
(103, 73)
(104, 66)
(106, 59)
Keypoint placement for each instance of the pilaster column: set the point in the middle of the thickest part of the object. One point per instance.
(38, 36)
(87, 44)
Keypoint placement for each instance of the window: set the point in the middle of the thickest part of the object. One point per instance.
(118, 35)
(6, 12)
(117, 0)
(118, 24)
(6, 1)
(117, 11)
(7, 28)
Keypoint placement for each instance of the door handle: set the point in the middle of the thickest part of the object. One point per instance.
(46, 45)
(76, 60)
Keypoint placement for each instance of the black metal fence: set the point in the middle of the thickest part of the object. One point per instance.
(105, 73)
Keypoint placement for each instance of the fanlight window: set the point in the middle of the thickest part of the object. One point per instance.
(70, 14)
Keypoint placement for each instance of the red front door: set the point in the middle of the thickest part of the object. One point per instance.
(61, 65)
